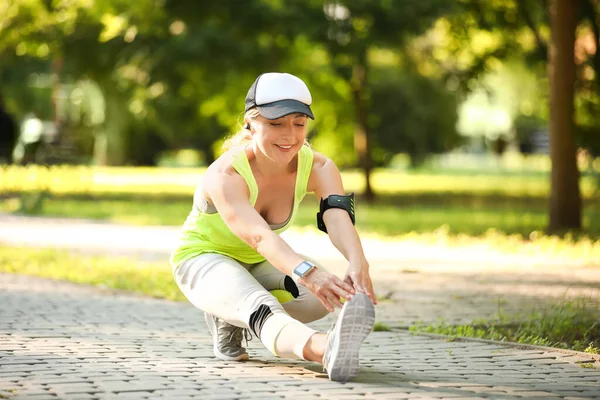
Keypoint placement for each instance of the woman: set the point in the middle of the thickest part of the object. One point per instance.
(230, 255)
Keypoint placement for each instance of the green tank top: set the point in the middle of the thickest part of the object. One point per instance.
(207, 233)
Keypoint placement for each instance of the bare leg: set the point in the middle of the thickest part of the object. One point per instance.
(315, 348)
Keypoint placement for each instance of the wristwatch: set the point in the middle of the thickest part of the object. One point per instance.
(302, 270)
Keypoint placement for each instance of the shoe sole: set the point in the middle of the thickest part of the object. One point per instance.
(213, 332)
(353, 325)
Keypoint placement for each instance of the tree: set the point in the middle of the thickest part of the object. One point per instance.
(218, 56)
(412, 114)
(353, 28)
(85, 40)
(565, 199)
(520, 28)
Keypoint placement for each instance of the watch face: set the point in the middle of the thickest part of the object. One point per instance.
(302, 268)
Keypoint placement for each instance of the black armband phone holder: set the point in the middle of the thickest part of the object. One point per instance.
(335, 201)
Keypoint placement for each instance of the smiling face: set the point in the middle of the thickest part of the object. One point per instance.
(279, 139)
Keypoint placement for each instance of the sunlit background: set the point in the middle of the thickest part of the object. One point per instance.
(474, 156)
(437, 111)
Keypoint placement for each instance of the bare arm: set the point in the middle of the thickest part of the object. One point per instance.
(326, 180)
(229, 193)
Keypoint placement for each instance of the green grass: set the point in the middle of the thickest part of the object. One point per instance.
(182, 181)
(381, 327)
(390, 216)
(573, 324)
(418, 201)
(502, 210)
(152, 279)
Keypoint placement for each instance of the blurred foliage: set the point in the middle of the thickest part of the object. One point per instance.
(495, 32)
(128, 82)
(178, 72)
(415, 115)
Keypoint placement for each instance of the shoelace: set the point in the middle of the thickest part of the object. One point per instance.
(236, 334)
(247, 335)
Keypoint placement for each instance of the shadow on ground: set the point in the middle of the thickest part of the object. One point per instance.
(66, 341)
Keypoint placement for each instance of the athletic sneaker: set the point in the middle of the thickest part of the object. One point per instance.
(353, 325)
(227, 339)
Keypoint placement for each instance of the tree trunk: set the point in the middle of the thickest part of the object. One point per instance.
(110, 143)
(361, 136)
(565, 199)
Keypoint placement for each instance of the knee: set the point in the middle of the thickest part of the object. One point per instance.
(265, 306)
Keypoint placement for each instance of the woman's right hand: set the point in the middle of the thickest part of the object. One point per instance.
(328, 288)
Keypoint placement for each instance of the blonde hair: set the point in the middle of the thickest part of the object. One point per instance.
(244, 135)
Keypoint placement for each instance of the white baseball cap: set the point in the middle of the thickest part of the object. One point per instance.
(279, 94)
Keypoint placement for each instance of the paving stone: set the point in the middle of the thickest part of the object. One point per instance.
(72, 388)
(464, 398)
(576, 398)
(221, 396)
(121, 387)
(533, 393)
(132, 395)
(590, 393)
(115, 346)
(173, 397)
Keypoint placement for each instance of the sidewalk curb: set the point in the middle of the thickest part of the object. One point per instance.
(593, 357)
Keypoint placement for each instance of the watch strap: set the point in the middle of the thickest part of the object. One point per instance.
(297, 276)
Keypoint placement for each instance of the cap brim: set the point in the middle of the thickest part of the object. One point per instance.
(282, 108)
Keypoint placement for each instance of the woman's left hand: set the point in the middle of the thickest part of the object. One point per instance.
(357, 275)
